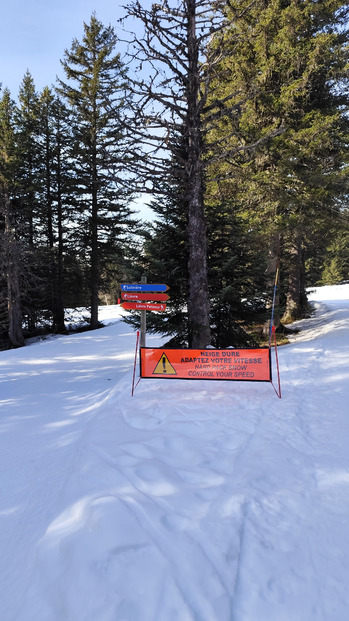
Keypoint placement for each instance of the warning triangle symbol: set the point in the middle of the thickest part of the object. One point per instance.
(164, 367)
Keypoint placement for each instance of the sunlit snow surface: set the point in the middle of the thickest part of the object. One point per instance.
(192, 500)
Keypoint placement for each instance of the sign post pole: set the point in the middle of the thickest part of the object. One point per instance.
(143, 317)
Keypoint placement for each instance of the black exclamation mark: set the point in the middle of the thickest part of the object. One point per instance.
(164, 363)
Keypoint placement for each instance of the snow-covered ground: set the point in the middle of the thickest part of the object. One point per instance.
(191, 501)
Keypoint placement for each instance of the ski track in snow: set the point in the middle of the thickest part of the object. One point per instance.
(191, 501)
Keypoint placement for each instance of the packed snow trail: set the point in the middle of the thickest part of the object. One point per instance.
(191, 501)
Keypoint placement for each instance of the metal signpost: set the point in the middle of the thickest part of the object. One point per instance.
(143, 297)
(143, 318)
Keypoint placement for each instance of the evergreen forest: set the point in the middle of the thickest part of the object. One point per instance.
(229, 118)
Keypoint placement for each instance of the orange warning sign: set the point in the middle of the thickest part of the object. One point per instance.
(217, 364)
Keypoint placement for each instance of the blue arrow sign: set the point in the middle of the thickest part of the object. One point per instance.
(143, 287)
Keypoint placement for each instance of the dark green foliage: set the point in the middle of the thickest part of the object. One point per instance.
(336, 264)
(11, 248)
(236, 276)
(164, 259)
(28, 158)
(288, 62)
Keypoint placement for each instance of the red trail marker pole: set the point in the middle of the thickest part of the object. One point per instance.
(278, 392)
(134, 366)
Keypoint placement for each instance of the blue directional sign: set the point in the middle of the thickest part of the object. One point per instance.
(143, 287)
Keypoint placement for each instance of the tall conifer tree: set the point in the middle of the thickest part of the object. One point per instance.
(97, 92)
(10, 250)
(54, 196)
(27, 125)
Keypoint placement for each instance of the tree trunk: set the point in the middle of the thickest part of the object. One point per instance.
(56, 318)
(198, 302)
(272, 266)
(94, 274)
(58, 306)
(12, 273)
(295, 296)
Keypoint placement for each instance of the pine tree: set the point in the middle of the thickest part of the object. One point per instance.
(54, 213)
(28, 156)
(165, 253)
(10, 251)
(28, 202)
(336, 263)
(97, 92)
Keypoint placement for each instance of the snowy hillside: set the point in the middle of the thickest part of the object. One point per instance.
(191, 501)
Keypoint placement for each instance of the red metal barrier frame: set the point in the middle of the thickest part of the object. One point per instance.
(215, 364)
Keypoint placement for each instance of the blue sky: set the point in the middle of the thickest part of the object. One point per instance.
(35, 33)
